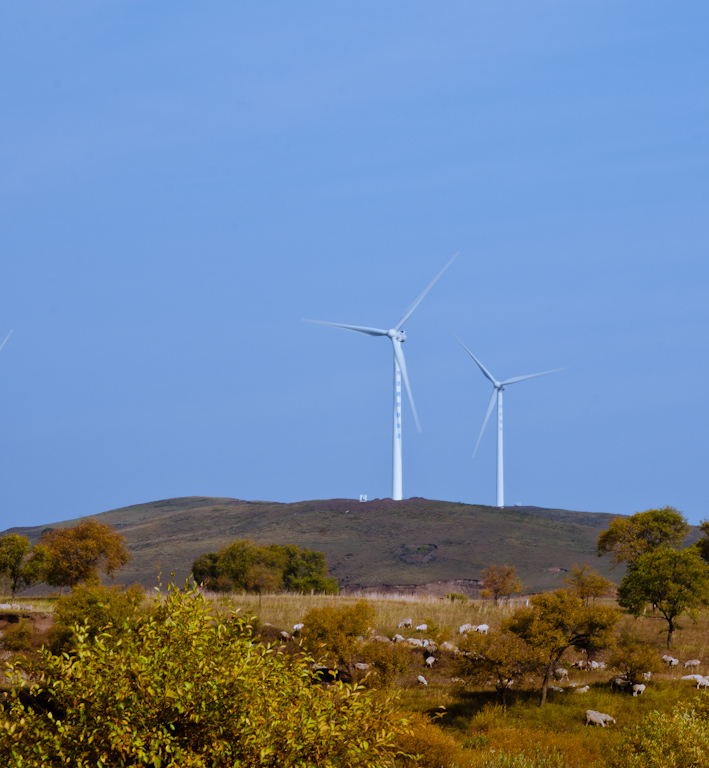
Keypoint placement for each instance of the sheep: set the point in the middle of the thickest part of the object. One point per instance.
(297, 628)
(397, 638)
(430, 660)
(422, 680)
(422, 627)
(703, 682)
(285, 635)
(446, 646)
(561, 674)
(361, 666)
(638, 689)
(696, 678)
(620, 683)
(415, 642)
(598, 718)
(580, 664)
(457, 680)
(647, 675)
(692, 663)
(556, 688)
(405, 623)
(670, 661)
(482, 629)
(430, 646)
(380, 639)
(463, 629)
(582, 690)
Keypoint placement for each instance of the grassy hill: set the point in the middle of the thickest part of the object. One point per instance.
(379, 543)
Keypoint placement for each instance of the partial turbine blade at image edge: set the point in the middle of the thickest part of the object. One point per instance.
(399, 354)
(490, 406)
(355, 328)
(530, 376)
(411, 309)
(485, 371)
(5, 341)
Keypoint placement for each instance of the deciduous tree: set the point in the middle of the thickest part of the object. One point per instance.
(78, 554)
(586, 583)
(627, 538)
(499, 581)
(676, 582)
(633, 658)
(557, 621)
(16, 562)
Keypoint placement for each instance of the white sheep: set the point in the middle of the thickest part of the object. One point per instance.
(380, 639)
(422, 627)
(415, 642)
(430, 660)
(556, 688)
(463, 629)
(404, 623)
(703, 682)
(397, 638)
(692, 663)
(670, 661)
(361, 666)
(582, 690)
(561, 674)
(482, 629)
(297, 628)
(446, 646)
(285, 635)
(696, 678)
(422, 680)
(598, 718)
(647, 675)
(638, 689)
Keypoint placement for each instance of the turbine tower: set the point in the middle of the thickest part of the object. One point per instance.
(398, 337)
(498, 389)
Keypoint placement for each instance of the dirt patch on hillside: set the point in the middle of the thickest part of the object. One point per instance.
(468, 587)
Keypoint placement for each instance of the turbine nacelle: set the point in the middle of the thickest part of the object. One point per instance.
(395, 335)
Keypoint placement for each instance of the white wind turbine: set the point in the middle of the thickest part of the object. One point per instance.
(5, 340)
(498, 388)
(398, 337)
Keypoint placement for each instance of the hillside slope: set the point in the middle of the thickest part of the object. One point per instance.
(380, 542)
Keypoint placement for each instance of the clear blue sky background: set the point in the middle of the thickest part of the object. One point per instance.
(181, 183)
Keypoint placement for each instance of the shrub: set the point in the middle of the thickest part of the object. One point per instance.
(184, 688)
(96, 608)
(432, 746)
(457, 597)
(18, 637)
(632, 658)
(388, 662)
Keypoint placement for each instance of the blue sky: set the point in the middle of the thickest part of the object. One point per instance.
(181, 183)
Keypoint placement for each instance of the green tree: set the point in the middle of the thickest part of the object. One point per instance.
(586, 583)
(675, 582)
(557, 621)
(78, 554)
(627, 538)
(499, 581)
(16, 562)
(184, 688)
(702, 545)
(334, 634)
(632, 658)
(503, 656)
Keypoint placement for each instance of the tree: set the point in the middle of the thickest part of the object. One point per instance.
(702, 545)
(557, 621)
(504, 656)
(186, 688)
(626, 538)
(16, 562)
(676, 582)
(334, 634)
(632, 658)
(499, 581)
(75, 555)
(586, 583)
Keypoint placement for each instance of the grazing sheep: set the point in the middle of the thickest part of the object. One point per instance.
(670, 661)
(380, 639)
(361, 666)
(465, 628)
(556, 688)
(422, 627)
(647, 675)
(580, 664)
(422, 680)
(598, 718)
(696, 678)
(638, 689)
(397, 638)
(297, 628)
(415, 642)
(482, 629)
(561, 674)
(446, 646)
(405, 623)
(430, 646)
(692, 663)
(703, 682)
(286, 635)
(430, 660)
(582, 690)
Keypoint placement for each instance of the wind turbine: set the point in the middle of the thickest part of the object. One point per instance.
(398, 337)
(498, 389)
(5, 341)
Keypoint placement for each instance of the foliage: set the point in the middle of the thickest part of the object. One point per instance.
(18, 637)
(627, 538)
(96, 609)
(503, 656)
(499, 581)
(75, 555)
(675, 582)
(702, 545)
(632, 657)
(334, 634)
(248, 567)
(675, 739)
(557, 621)
(586, 583)
(16, 563)
(435, 630)
(388, 663)
(186, 689)
(457, 597)
(431, 745)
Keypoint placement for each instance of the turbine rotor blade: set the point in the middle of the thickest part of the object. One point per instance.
(356, 328)
(399, 355)
(490, 406)
(411, 309)
(5, 341)
(485, 371)
(530, 376)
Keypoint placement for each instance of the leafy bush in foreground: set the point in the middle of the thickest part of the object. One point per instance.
(183, 688)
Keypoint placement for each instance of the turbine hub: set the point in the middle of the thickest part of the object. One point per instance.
(395, 335)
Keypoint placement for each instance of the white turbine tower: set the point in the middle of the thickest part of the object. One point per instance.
(398, 337)
(498, 388)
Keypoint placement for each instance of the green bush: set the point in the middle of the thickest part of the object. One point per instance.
(431, 746)
(183, 688)
(95, 607)
(18, 637)
(388, 662)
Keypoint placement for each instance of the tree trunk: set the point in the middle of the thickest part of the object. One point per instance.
(670, 630)
(545, 684)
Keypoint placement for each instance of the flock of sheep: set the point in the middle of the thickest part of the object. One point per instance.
(560, 674)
